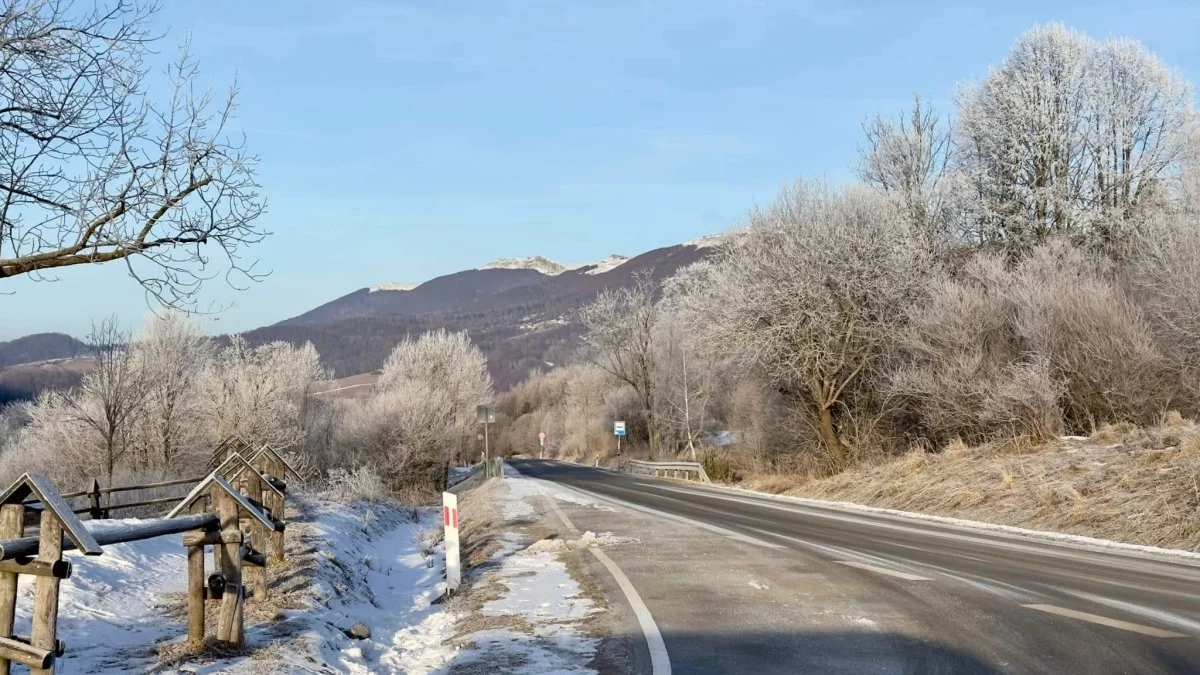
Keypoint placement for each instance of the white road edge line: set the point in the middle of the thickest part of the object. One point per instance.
(883, 570)
(1106, 621)
(660, 661)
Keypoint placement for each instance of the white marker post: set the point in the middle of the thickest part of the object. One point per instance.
(450, 521)
(542, 445)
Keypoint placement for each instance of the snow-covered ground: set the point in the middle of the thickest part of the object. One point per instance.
(367, 564)
(369, 568)
(108, 610)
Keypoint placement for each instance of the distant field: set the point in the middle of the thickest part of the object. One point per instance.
(26, 380)
(354, 386)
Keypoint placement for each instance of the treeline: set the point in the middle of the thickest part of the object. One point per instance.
(1030, 268)
(157, 403)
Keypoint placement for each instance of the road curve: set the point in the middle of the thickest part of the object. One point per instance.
(940, 598)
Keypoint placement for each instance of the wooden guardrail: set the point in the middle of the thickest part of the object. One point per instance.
(238, 510)
(100, 511)
(668, 469)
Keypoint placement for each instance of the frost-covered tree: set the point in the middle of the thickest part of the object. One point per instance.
(1071, 135)
(687, 377)
(448, 362)
(811, 293)
(405, 431)
(260, 393)
(620, 340)
(421, 411)
(907, 157)
(172, 353)
(111, 395)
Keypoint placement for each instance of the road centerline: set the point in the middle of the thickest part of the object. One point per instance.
(883, 570)
(1106, 621)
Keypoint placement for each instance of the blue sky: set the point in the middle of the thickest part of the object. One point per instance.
(403, 140)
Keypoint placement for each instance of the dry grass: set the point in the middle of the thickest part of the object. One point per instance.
(176, 653)
(1124, 483)
(290, 586)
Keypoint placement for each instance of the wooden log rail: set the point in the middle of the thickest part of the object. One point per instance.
(99, 511)
(243, 525)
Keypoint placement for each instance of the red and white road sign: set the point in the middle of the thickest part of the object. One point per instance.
(450, 522)
(542, 437)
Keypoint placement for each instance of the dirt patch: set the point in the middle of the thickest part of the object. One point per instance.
(1138, 486)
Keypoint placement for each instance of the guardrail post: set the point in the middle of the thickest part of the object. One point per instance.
(278, 506)
(45, 593)
(195, 586)
(230, 627)
(12, 526)
(255, 575)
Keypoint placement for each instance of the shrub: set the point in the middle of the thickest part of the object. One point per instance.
(1052, 342)
(350, 486)
(718, 467)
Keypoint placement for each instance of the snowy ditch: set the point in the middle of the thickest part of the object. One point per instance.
(122, 612)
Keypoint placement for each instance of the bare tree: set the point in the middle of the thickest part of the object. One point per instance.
(111, 394)
(620, 340)
(93, 171)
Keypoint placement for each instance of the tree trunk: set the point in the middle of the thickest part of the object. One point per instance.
(833, 444)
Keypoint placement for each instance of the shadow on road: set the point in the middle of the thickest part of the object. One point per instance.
(857, 653)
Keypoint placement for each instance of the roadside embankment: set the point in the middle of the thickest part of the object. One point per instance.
(1138, 486)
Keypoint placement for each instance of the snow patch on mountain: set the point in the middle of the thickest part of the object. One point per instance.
(537, 263)
(607, 264)
(393, 287)
(708, 240)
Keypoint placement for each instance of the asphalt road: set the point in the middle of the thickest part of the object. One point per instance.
(742, 583)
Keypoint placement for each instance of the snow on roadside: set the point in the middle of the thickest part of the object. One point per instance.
(541, 606)
(366, 564)
(371, 569)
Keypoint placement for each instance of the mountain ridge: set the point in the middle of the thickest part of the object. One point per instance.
(521, 317)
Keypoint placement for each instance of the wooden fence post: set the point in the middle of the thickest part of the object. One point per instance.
(256, 575)
(94, 498)
(278, 507)
(196, 586)
(230, 628)
(12, 526)
(45, 593)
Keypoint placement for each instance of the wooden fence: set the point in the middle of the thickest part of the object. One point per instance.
(238, 510)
